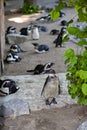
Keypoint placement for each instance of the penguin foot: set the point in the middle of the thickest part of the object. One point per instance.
(47, 102)
(54, 101)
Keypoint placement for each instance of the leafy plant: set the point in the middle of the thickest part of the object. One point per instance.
(29, 8)
(76, 62)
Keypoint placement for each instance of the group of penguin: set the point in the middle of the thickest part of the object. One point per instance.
(51, 87)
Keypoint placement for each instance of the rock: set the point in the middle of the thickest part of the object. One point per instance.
(14, 107)
(16, 38)
(83, 126)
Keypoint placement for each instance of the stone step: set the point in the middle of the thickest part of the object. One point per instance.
(28, 98)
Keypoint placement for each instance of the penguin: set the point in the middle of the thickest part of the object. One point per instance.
(15, 48)
(41, 48)
(54, 32)
(58, 40)
(44, 18)
(62, 14)
(43, 28)
(26, 30)
(7, 87)
(42, 68)
(51, 88)
(63, 23)
(35, 33)
(12, 57)
(11, 30)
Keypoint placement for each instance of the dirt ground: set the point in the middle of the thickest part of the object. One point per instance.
(30, 59)
(66, 118)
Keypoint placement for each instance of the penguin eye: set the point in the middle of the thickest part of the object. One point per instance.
(14, 47)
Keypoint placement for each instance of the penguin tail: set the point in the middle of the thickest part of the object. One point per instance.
(30, 70)
(35, 44)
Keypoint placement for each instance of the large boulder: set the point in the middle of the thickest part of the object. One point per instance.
(83, 126)
(16, 38)
(14, 107)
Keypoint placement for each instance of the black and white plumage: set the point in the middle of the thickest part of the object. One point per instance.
(62, 14)
(12, 57)
(54, 32)
(46, 18)
(51, 88)
(42, 68)
(26, 30)
(41, 48)
(35, 33)
(11, 30)
(15, 48)
(63, 23)
(8, 86)
(43, 28)
(58, 40)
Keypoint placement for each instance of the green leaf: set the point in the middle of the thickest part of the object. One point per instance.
(82, 100)
(69, 22)
(72, 90)
(82, 42)
(71, 69)
(60, 6)
(67, 61)
(73, 30)
(84, 88)
(54, 14)
(66, 37)
(73, 60)
(69, 53)
(82, 16)
(82, 74)
(85, 54)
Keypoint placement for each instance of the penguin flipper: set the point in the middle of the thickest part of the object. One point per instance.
(44, 85)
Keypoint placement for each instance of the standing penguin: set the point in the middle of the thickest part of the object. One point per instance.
(51, 88)
(35, 33)
(59, 39)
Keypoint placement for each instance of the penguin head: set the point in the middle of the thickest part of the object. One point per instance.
(63, 29)
(35, 45)
(11, 30)
(8, 87)
(48, 65)
(9, 58)
(52, 74)
(63, 22)
(15, 48)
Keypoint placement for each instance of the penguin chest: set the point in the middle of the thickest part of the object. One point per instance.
(35, 34)
(4, 91)
(51, 89)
